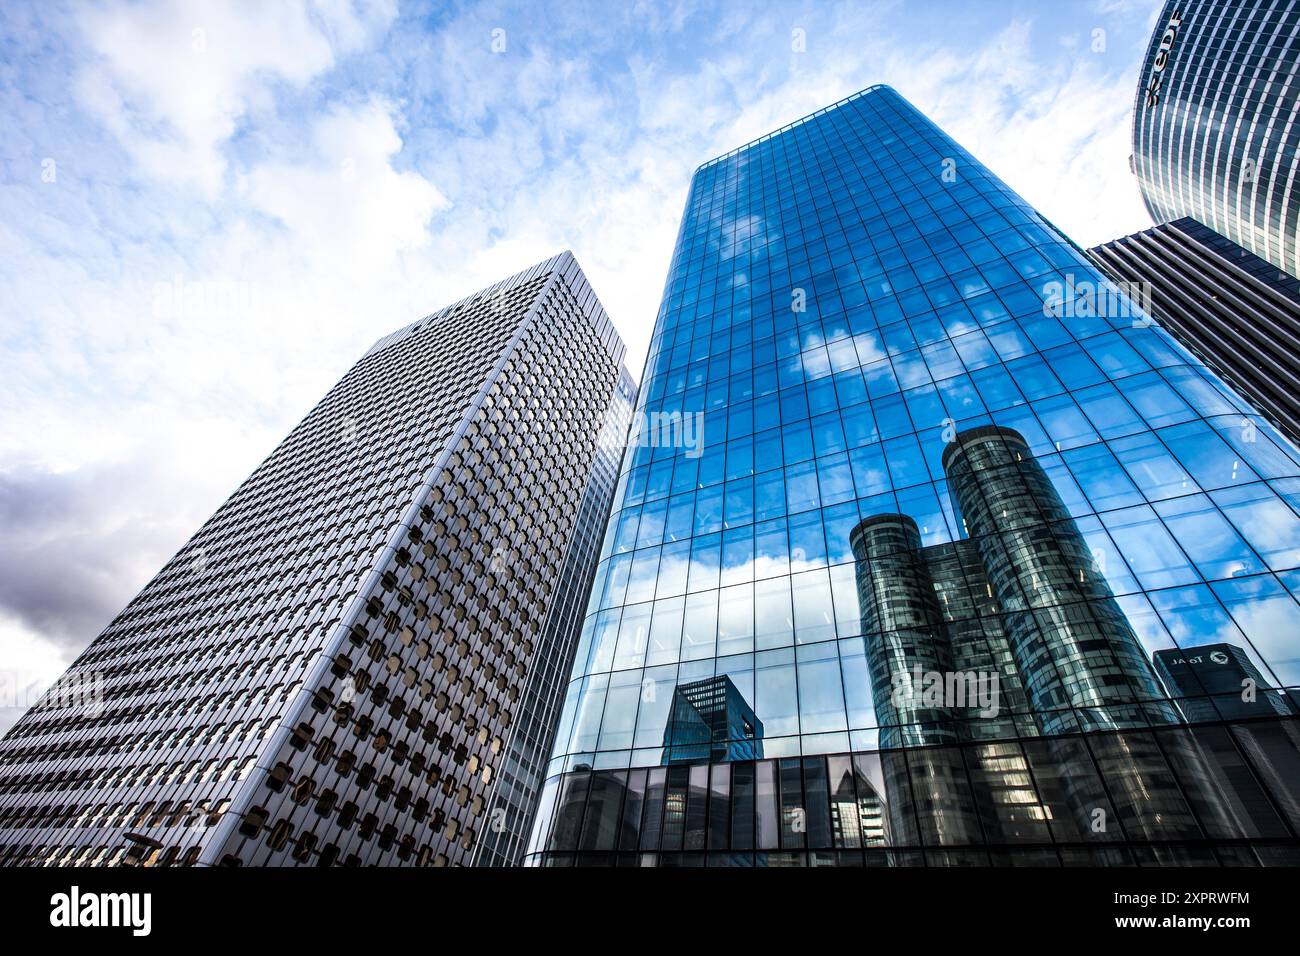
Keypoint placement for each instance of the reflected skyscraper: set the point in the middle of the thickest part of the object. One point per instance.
(1216, 681)
(894, 355)
(1023, 590)
(1077, 656)
(711, 721)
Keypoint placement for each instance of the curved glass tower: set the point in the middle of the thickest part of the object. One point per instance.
(929, 585)
(1215, 135)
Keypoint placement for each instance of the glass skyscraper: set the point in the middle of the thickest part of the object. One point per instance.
(358, 658)
(921, 594)
(1215, 135)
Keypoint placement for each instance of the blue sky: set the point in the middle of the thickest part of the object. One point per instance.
(208, 210)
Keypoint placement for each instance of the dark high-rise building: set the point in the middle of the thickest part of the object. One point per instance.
(1238, 313)
(1214, 681)
(355, 660)
(1215, 135)
(932, 455)
(711, 720)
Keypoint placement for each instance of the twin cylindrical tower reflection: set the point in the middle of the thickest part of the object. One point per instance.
(1015, 705)
(1009, 632)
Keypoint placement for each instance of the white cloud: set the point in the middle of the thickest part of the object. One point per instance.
(346, 207)
(1059, 136)
(174, 80)
(1056, 127)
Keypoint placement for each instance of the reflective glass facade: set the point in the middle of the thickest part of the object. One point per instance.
(1215, 135)
(936, 584)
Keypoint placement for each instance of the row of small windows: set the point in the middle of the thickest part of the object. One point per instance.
(465, 518)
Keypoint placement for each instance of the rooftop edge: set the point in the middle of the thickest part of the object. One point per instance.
(791, 125)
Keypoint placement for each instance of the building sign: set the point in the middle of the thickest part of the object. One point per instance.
(1162, 57)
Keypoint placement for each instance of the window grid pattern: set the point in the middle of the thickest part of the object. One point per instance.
(848, 297)
(1215, 135)
(379, 542)
(1238, 313)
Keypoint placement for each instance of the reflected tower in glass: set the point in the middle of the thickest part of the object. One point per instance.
(956, 495)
